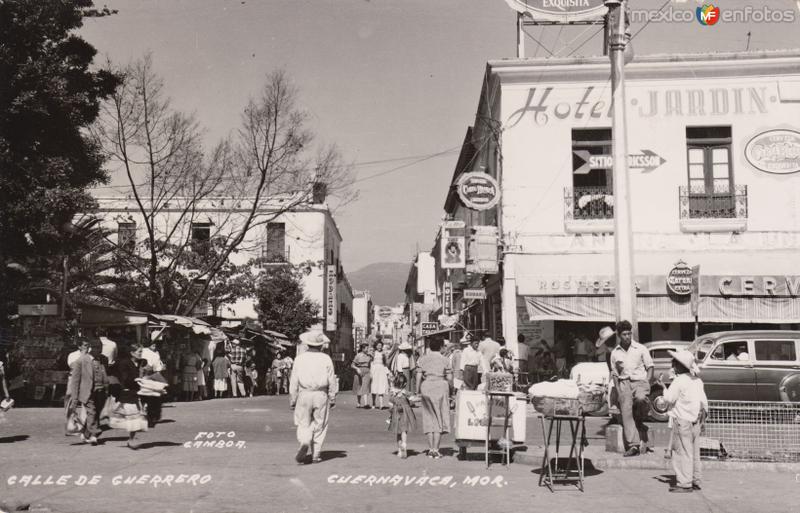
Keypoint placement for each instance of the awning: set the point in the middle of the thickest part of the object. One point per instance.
(92, 315)
(664, 309)
(196, 325)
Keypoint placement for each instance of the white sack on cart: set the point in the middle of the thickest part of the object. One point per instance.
(562, 389)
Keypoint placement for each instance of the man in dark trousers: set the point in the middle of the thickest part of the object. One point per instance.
(632, 370)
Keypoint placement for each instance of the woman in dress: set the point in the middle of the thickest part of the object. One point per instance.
(434, 376)
(222, 369)
(128, 413)
(379, 375)
(190, 366)
(361, 380)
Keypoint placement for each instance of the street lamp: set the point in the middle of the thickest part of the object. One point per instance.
(623, 236)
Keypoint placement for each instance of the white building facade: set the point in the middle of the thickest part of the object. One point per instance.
(714, 158)
(305, 235)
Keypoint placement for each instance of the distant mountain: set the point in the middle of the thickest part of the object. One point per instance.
(386, 281)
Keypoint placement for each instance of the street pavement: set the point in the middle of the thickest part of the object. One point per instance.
(251, 468)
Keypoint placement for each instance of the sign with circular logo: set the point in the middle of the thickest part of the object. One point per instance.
(679, 279)
(478, 191)
(563, 11)
(775, 151)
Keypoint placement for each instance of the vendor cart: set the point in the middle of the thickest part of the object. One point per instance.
(472, 419)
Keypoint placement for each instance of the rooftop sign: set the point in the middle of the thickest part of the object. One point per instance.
(563, 11)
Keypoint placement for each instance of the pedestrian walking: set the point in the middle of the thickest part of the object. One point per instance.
(222, 368)
(631, 371)
(87, 378)
(128, 414)
(361, 380)
(488, 348)
(379, 376)
(470, 363)
(312, 393)
(434, 378)
(401, 416)
(402, 363)
(237, 355)
(202, 379)
(687, 405)
(150, 368)
(191, 363)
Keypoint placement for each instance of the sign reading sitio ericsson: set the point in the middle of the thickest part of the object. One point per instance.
(478, 191)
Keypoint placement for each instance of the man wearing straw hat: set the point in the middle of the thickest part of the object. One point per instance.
(687, 404)
(631, 371)
(312, 392)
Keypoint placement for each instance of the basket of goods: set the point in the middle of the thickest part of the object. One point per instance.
(556, 398)
(500, 382)
(592, 396)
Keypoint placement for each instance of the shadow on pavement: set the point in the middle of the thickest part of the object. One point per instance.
(12, 439)
(165, 421)
(588, 467)
(328, 455)
(149, 445)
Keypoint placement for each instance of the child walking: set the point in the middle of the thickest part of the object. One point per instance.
(687, 404)
(401, 416)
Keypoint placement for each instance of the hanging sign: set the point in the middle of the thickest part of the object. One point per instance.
(429, 327)
(478, 191)
(474, 294)
(775, 151)
(564, 11)
(453, 254)
(679, 279)
(331, 302)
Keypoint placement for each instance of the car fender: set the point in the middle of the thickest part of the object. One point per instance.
(789, 388)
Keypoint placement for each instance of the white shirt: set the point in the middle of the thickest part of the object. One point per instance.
(488, 349)
(312, 371)
(470, 356)
(685, 396)
(73, 357)
(401, 362)
(635, 362)
(153, 359)
(109, 349)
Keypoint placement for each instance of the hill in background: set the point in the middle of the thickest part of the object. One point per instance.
(386, 281)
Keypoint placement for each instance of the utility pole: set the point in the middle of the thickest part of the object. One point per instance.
(623, 236)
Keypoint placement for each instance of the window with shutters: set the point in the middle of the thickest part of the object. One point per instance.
(274, 250)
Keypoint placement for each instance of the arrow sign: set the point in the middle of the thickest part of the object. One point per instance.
(591, 162)
(647, 160)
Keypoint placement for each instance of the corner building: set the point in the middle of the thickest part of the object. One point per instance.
(714, 159)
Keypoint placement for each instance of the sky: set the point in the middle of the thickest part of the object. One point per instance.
(393, 83)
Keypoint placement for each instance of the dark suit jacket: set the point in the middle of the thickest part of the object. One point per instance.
(81, 378)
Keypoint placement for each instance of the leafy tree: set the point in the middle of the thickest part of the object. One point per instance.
(48, 98)
(282, 306)
(267, 169)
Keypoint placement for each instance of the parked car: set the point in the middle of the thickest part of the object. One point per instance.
(662, 364)
(750, 365)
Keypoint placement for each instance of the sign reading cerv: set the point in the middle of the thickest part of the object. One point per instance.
(550, 104)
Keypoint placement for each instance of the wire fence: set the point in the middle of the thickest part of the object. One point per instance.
(753, 431)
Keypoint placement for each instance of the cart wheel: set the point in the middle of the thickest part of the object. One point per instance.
(462, 453)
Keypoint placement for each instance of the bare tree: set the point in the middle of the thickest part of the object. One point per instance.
(246, 181)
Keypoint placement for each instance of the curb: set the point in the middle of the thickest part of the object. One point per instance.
(651, 463)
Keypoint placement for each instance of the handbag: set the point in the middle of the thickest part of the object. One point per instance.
(76, 420)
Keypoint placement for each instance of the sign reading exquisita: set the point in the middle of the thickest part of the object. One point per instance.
(775, 151)
(679, 279)
(564, 11)
(478, 191)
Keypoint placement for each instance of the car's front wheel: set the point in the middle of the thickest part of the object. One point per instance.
(653, 414)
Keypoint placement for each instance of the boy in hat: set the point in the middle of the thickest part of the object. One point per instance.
(312, 392)
(686, 402)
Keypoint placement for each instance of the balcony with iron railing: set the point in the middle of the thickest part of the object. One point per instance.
(723, 209)
(271, 256)
(588, 209)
